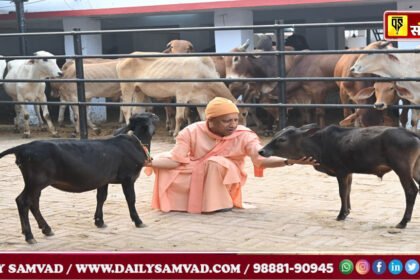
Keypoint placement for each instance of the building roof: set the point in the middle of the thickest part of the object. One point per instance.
(47, 9)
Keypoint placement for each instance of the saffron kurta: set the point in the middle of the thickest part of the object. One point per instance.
(211, 173)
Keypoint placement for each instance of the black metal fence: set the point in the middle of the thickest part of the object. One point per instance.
(279, 53)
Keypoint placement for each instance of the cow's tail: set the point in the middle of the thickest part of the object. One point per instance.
(10, 151)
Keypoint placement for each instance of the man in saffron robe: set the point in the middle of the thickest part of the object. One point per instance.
(204, 172)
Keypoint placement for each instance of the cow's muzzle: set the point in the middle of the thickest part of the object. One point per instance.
(265, 153)
(379, 106)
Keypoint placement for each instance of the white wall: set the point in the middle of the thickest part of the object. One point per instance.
(91, 44)
(227, 40)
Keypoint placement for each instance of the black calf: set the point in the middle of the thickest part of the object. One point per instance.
(343, 151)
(82, 165)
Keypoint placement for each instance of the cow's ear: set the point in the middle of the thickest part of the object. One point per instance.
(31, 61)
(309, 129)
(151, 129)
(404, 93)
(363, 94)
(122, 130)
(268, 87)
(168, 47)
(349, 121)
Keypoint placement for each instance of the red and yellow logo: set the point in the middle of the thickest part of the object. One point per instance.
(401, 25)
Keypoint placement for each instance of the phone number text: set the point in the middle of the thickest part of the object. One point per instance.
(293, 268)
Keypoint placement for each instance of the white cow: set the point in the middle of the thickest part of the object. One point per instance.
(13, 64)
(395, 65)
(28, 91)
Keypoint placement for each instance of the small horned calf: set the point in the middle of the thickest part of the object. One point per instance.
(341, 152)
(83, 165)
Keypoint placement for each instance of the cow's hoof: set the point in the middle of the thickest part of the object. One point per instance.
(26, 135)
(48, 232)
(342, 216)
(42, 128)
(140, 225)
(100, 224)
(73, 135)
(61, 125)
(55, 135)
(401, 225)
(394, 230)
(31, 241)
(97, 131)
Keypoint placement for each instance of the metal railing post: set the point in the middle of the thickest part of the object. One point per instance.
(20, 15)
(77, 40)
(282, 73)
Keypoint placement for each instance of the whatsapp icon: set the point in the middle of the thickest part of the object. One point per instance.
(346, 266)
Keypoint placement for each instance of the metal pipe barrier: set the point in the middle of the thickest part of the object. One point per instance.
(214, 28)
(280, 52)
(204, 80)
(242, 105)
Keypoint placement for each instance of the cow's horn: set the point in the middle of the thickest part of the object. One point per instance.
(384, 44)
(245, 45)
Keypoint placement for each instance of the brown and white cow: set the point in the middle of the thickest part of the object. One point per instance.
(364, 92)
(170, 68)
(316, 65)
(179, 46)
(175, 46)
(92, 69)
(395, 65)
(305, 92)
(381, 94)
(255, 66)
(348, 89)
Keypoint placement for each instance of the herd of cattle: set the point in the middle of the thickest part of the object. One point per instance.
(78, 166)
(381, 94)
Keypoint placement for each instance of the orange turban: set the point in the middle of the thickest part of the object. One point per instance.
(220, 106)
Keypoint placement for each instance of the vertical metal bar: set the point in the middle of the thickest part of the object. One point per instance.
(282, 73)
(20, 14)
(77, 41)
(368, 39)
